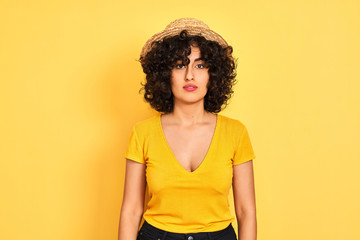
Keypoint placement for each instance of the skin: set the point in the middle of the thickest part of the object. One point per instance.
(189, 121)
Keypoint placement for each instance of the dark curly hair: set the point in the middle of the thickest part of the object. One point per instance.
(164, 54)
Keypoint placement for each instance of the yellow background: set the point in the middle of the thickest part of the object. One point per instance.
(69, 97)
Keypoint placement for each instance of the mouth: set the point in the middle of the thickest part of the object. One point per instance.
(190, 87)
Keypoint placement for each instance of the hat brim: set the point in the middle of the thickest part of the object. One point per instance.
(205, 32)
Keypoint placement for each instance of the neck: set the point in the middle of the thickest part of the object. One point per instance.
(189, 114)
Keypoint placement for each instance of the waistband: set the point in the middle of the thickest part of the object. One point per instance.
(148, 229)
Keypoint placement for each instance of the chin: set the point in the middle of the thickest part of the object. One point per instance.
(190, 100)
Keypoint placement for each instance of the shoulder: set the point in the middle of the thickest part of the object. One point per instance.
(144, 126)
(232, 124)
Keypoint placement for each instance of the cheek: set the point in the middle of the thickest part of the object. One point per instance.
(175, 82)
(174, 85)
(206, 80)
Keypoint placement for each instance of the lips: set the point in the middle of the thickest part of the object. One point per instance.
(190, 87)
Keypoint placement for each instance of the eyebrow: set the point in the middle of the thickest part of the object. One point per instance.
(197, 59)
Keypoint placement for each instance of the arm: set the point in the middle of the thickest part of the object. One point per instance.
(133, 200)
(244, 200)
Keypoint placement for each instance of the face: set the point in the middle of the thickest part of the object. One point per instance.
(189, 83)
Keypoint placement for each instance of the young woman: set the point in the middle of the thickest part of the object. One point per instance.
(188, 154)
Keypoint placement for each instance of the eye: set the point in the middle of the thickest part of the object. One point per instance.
(201, 66)
(179, 66)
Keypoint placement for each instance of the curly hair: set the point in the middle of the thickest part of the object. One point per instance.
(164, 54)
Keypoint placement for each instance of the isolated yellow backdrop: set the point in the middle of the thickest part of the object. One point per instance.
(69, 97)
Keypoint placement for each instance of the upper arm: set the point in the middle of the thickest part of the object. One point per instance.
(243, 188)
(134, 188)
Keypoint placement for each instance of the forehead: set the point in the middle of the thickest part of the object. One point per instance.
(195, 52)
(194, 56)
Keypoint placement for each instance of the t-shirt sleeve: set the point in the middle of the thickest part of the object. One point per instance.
(244, 151)
(134, 149)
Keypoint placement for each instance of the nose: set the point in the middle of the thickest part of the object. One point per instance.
(189, 73)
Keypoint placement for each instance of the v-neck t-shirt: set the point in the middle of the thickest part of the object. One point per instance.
(187, 202)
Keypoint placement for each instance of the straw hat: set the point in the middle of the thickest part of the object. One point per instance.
(192, 25)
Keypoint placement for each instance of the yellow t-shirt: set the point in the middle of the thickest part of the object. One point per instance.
(182, 201)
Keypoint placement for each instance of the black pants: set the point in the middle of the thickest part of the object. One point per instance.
(149, 232)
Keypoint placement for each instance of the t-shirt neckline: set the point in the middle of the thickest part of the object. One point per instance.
(173, 158)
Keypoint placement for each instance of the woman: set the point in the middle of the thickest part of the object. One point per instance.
(188, 154)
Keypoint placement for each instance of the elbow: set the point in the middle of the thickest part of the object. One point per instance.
(132, 212)
(247, 213)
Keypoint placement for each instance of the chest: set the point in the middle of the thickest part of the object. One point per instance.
(197, 166)
(189, 146)
(189, 159)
